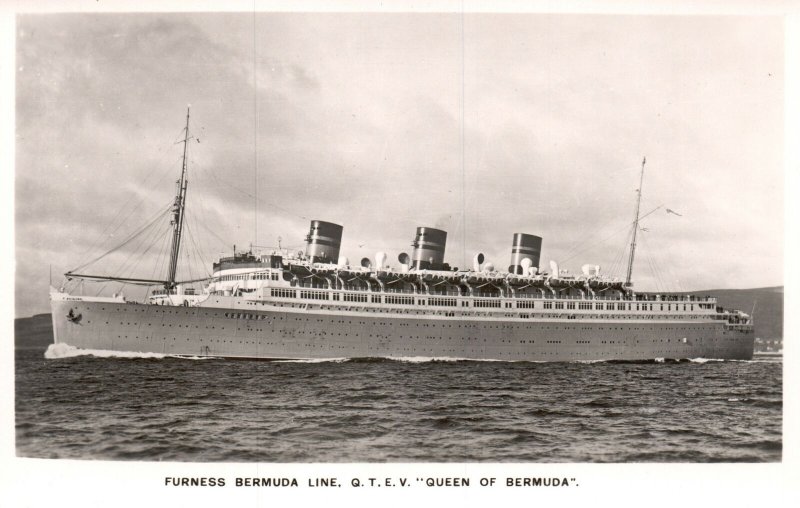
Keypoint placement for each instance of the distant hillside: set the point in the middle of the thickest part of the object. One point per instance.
(37, 331)
(33, 332)
(768, 315)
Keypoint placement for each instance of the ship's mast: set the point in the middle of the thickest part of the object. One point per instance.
(635, 226)
(177, 213)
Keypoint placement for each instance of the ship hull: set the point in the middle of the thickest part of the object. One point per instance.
(232, 328)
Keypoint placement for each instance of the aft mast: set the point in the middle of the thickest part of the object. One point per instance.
(635, 226)
(178, 213)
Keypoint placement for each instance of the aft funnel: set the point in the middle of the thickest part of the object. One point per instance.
(524, 246)
(323, 242)
(429, 247)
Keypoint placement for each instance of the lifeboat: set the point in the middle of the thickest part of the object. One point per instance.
(601, 285)
(299, 270)
(519, 280)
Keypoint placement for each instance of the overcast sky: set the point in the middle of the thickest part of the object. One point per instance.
(483, 125)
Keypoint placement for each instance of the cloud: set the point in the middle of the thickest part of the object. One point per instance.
(370, 120)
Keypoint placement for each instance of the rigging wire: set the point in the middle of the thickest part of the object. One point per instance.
(134, 258)
(668, 276)
(621, 255)
(203, 219)
(192, 218)
(594, 244)
(191, 253)
(213, 233)
(160, 258)
(189, 262)
(134, 261)
(628, 226)
(656, 279)
(150, 242)
(198, 257)
(146, 231)
(159, 215)
(144, 242)
(665, 279)
(102, 237)
(224, 183)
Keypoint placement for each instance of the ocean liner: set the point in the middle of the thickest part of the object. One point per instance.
(313, 304)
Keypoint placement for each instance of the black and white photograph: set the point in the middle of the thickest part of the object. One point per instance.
(398, 237)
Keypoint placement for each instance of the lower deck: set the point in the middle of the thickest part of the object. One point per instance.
(236, 330)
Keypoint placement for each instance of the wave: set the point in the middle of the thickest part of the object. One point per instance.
(314, 360)
(762, 359)
(426, 359)
(455, 359)
(61, 350)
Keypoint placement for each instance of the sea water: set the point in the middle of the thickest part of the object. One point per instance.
(121, 406)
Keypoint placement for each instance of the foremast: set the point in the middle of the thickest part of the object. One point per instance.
(635, 226)
(178, 209)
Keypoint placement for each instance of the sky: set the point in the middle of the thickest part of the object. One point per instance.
(484, 125)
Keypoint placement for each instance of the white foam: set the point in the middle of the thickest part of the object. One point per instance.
(314, 360)
(61, 350)
(409, 359)
(425, 359)
(705, 360)
(659, 360)
(777, 359)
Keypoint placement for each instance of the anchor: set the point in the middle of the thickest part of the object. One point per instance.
(74, 318)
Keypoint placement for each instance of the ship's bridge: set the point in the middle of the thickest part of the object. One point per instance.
(247, 272)
(248, 260)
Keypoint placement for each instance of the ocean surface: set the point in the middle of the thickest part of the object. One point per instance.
(155, 408)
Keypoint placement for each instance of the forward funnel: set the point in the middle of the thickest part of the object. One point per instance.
(323, 242)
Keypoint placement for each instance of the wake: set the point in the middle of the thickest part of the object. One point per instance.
(61, 350)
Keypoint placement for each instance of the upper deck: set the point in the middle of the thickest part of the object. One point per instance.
(340, 292)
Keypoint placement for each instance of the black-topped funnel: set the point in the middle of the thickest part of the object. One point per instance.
(524, 246)
(323, 242)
